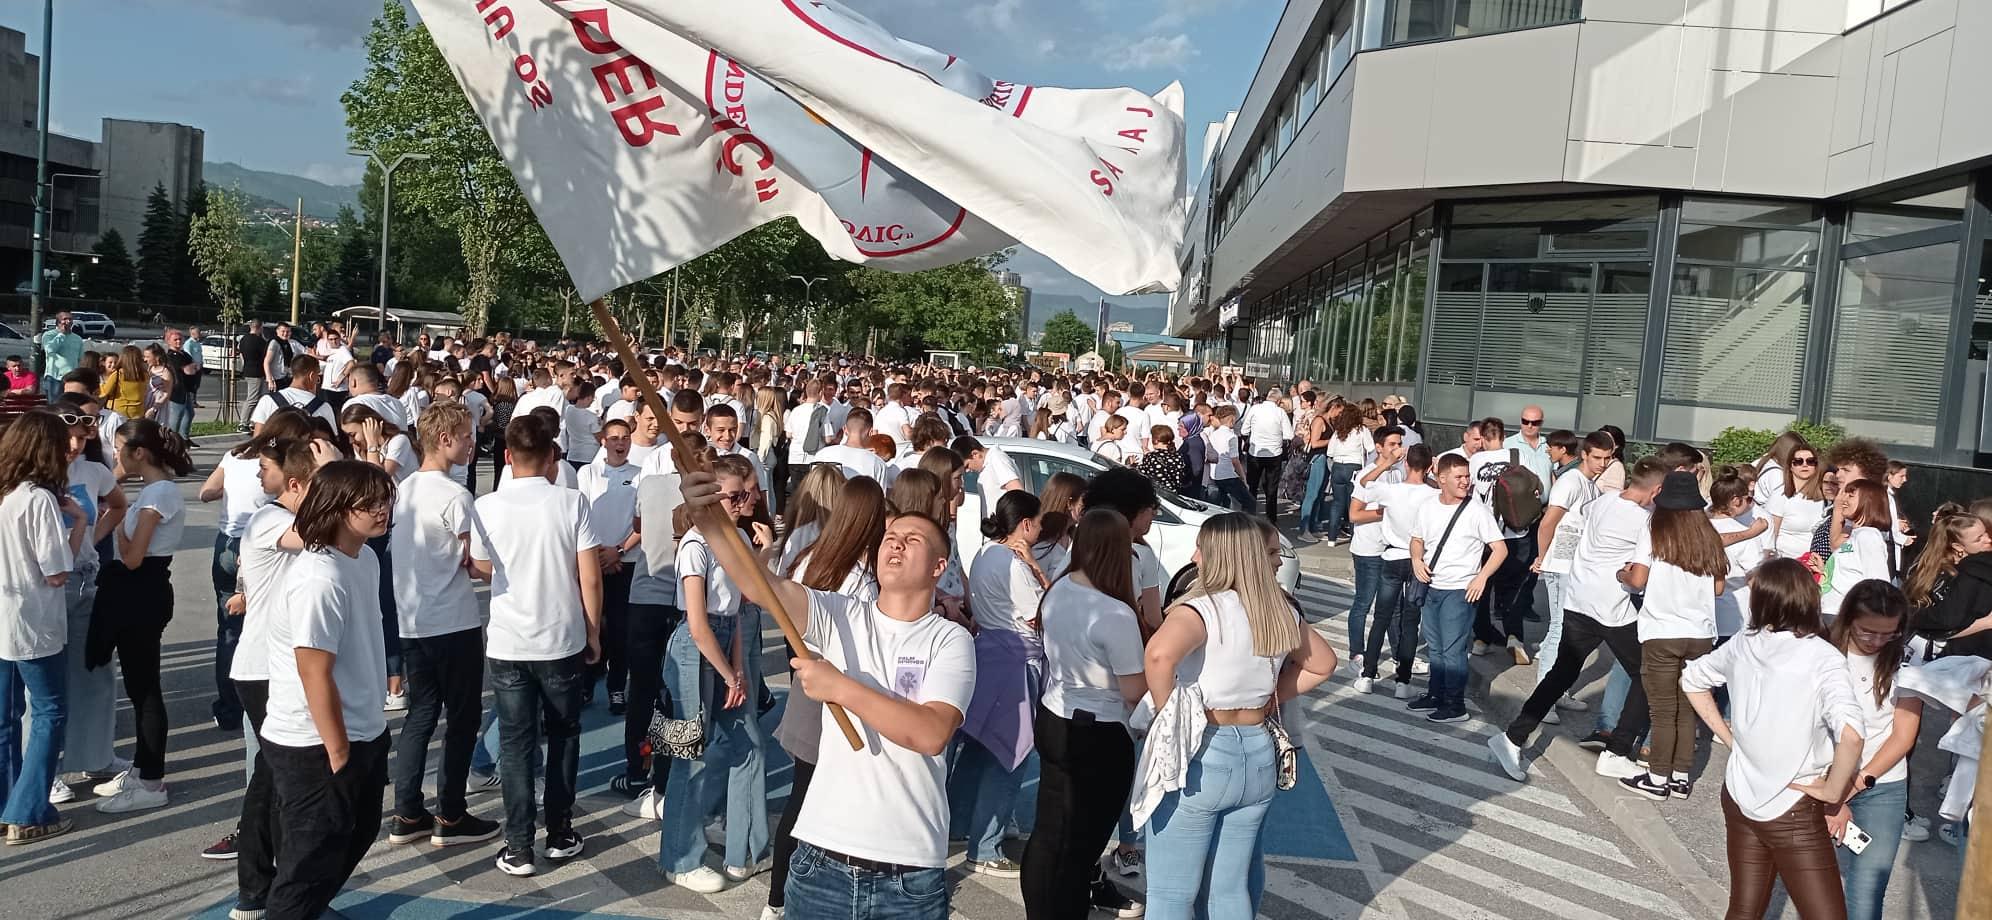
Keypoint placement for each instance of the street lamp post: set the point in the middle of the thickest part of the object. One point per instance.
(808, 334)
(387, 169)
(40, 241)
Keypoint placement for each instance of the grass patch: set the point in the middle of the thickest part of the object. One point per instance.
(202, 429)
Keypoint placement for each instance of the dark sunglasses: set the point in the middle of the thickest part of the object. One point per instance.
(1805, 461)
(1531, 422)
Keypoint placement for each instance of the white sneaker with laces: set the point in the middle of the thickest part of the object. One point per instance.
(1405, 691)
(1507, 756)
(1364, 684)
(59, 792)
(773, 913)
(114, 785)
(396, 702)
(743, 873)
(1420, 666)
(648, 805)
(1616, 767)
(1572, 703)
(1916, 830)
(702, 880)
(134, 796)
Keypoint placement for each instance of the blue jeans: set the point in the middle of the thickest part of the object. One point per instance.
(1341, 485)
(985, 795)
(535, 699)
(1448, 622)
(484, 757)
(227, 707)
(822, 888)
(1880, 812)
(733, 766)
(1310, 500)
(1369, 577)
(1225, 491)
(1551, 638)
(1617, 686)
(32, 686)
(1203, 840)
(180, 417)
(89, 743)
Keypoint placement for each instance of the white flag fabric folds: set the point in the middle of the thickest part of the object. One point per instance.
(648, 132)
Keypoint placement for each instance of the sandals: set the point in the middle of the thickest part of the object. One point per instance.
(18, 834)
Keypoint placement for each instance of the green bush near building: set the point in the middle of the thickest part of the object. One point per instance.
(1745, 445)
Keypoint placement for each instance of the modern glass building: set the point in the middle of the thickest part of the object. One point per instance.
(1670, 215)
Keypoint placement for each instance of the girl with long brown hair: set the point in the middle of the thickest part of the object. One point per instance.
(1773, 469)
(1950, 585)
(1863, 505)
(124, 388)
(1799, 505)
(845, 560)
(1349, 447)
(1681, 566)
(1093, 679)
(1872, 631)
(1005, 589)
(1058, 514)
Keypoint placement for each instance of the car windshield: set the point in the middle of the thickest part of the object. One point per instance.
(1165, 493)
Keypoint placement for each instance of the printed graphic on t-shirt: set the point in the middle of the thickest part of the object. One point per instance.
(908, 675)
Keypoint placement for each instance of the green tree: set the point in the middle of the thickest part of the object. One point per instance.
(112, 276)
(1065, 332)
(408, 101)
(157, 256)
(957, 307)
(228, 265)
(190, 284)
(349, 280)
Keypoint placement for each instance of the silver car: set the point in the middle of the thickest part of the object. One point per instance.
(1173, 537)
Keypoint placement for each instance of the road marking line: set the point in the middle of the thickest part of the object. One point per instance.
(1550, 904)
(1397, 753)
(1480, 808)
(1288, 885)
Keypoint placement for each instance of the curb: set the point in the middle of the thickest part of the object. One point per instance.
(1640, 821)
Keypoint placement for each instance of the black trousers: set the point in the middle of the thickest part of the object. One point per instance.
(137, 646)
(256, 829)
(1085, 770)
(650, 628)
(445, 674)
(784, 845)
(1265, 476)
(1510, 594)
(327, 822)
(615, 629)
(1581, 636)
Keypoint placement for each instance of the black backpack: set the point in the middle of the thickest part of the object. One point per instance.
(310, 407)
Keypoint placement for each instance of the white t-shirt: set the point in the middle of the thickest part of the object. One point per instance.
(1267, 427)
(1732, 606)
(1798, 517)
(1880, 717)
(331, 603)
(241, 492)
(563, 474)
(796, 424)
(335, 362)
(1111, 450)
(1573, 492)
(891, 803)
(1002, 592)
(34, 547)
(1864, 555)
(891, 420)
(998, 470)
(1770, 484)
(1148, 574)
(855, 461)
(1400, 502)
(531, 530)
(1612, 530)
(1679, 604)
(611, 494)
(581, 428)
(406, 462)
(391, 410)
(696, 560)
(260, 565)
(1459, 559)
(1137, 432)
(294, 399)
(1370, 539)
(432, 591)
(1223, 444)
(1090, 642)
(162, 497)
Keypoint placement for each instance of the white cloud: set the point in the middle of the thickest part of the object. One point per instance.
(346, 173)
(1150, 52)
(1000, 15)
(1046, 47)
(1177, 12)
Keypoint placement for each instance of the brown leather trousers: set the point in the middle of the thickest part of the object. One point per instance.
(1793, 847)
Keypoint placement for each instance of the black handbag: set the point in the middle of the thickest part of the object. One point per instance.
(682, 739)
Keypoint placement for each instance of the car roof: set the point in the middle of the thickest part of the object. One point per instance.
(1036, 445)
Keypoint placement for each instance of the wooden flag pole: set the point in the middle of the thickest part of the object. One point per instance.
(1974, 893)
(714, 522)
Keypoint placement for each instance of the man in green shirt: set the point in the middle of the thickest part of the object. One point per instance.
(62, 352)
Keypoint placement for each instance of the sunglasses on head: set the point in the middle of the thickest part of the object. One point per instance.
(72, 420)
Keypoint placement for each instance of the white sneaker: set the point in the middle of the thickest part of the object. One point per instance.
(114, 785)
(1552, 717)
(1616, 767)
(648, 805)
(1916, 830)
(1356, 663)
(1364, 684)
(1507, 756)
(59, 792)
(743, 873)
(396, 702)
(1420, 666)
(702, 880)
(134, 796)
(1572, 703)
(1405, 691)
(773, 913)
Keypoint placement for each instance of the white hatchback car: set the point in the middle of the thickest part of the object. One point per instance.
(1173, 537)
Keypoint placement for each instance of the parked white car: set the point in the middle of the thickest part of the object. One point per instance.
(87, 324)
(1173, 537)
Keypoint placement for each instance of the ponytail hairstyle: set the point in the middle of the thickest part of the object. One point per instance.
(1729, 485)
(283, 423)
(1011, 511)
(165, 446)
(1874, 598)
(850, 539)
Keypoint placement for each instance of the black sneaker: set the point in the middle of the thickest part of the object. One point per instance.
(1448, 714)
(467, 829)
(402, 830)
(1596, 741)
(628, 786)
(221, 849)
(1644, 785)
(1680, 788)
(564, 845)
(516, 862)
(618, 702)
(1425, 703)
(1107, 898)
(246, 908)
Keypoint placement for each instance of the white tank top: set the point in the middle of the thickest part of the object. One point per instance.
(1227, 671)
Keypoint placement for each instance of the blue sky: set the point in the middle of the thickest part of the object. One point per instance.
(263, 77)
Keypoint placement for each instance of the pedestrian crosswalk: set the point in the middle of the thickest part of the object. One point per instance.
(1321, 597)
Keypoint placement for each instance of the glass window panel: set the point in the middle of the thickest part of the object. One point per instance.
(1341, 40)
(1615, 344)
(1480, 17)
(1532, 330)
(1411, 327)
(1740, 211)
(1417, 20)
(1493, 243)
(1306, 94)
(1553, 210)
(1736, 336)
(1286, 126)
(1924, 209)
(1601, 239)
(1891, 339)
(1788, 248)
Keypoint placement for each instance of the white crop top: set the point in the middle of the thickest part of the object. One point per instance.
(1227, 671)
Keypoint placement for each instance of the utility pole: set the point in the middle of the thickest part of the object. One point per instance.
(297, 254)
(808, 312)
(40, 241)
(386, 212)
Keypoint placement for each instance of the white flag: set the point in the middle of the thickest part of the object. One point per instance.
(640, 147)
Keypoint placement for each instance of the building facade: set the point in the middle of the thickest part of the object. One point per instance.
(1674, 216)
(1020, 297)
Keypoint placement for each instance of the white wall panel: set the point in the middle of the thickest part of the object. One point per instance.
(1916, 113)
(1661, 12)
(1390, 120)
(1853, 123)
(1967, 131)
(1501, 108)
(1628, 79)
(1629, 164)
(1778, 136)
(1781, 15)
(1916, 22)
